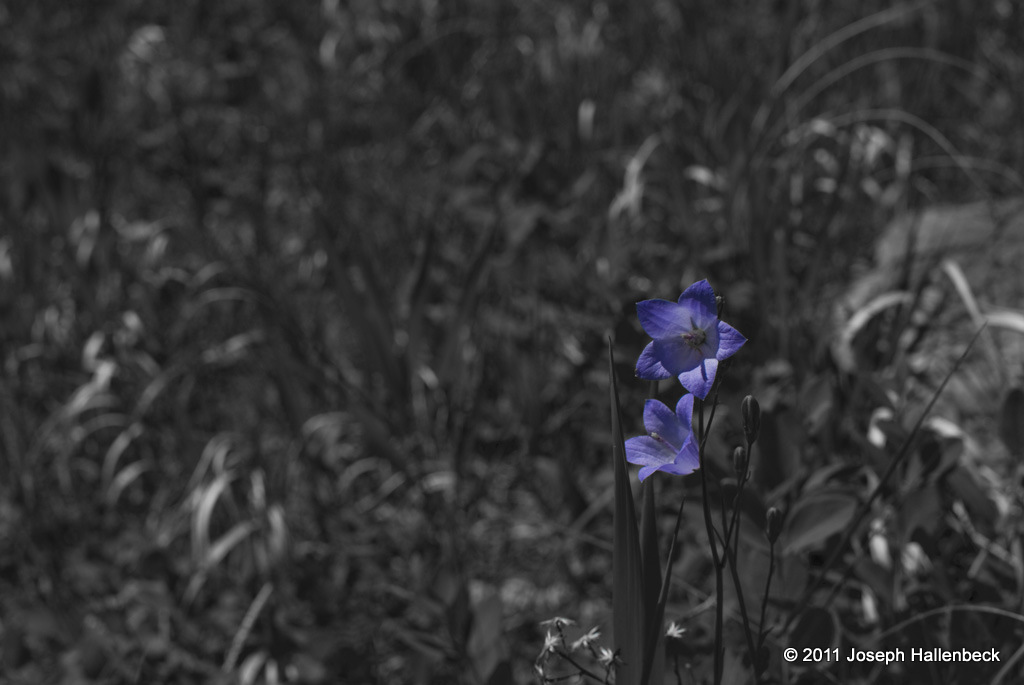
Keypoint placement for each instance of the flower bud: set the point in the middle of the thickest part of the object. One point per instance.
(751, 412)
(739, 461)
(774, 525)
(719, 305)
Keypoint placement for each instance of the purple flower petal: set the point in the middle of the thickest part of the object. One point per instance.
(700, 379)
(729, 340)
(662, 319)
(646, 451)
(684, 410)
(688, 458)
(699, 301)
(648, 470)
(679, 468)
(712, 339)
(676, 355)
(660, 420)
(649, 368)
(686, 461)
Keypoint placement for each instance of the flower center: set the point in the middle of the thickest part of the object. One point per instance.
(662, 440)
(695, 338)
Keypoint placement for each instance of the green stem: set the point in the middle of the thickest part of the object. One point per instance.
(575, 664)
(701, 437)
(659, 611)
(762, 633)
(743, 610)
(732, 532)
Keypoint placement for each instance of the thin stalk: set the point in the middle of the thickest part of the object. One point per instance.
(663, 594)
(578, 666)
(731, 551)
(701, 436)
(762, 633)
(733, 531)
(743, 610)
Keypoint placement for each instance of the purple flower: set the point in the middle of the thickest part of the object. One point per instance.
(689, 340)
(671, 446)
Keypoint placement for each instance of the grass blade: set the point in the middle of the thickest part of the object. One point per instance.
(654, 657)
(627, 574)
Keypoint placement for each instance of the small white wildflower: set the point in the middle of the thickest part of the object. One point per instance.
(675, 631)
(550, 642)
(585, 640)
(558, 622)
(605, 656)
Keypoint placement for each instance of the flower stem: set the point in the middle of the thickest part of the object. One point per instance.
(715, 559)
(575, 664)
(730, 553)
(732, 538)
(762, 633)
(663, 594)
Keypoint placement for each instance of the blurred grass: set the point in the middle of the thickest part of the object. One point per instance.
(316, 296)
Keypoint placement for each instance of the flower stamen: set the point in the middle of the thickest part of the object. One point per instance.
(695, 338)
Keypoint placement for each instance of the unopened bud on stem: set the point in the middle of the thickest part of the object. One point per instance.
(751, 412)
(739, 461)
(774, 525)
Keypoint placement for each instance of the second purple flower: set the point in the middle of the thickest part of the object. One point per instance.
(669, 445)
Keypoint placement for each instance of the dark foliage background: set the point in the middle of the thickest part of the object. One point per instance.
(305, 306)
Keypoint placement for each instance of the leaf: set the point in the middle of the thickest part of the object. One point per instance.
(128, 475)
(206, 501)
(734, 671)
(842, 347)
(452, 590)
(654, 651)
(249, 671)
(227, 542)
(815, 629)
(815, 518)
(1011, 422)
(922, 509)
(978, 503)
(817, 403)
(1006, 319)
(627, 577)
(214, 554)
(486, 646)
(116, 450)
(876, 579)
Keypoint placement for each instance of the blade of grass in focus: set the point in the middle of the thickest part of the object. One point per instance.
(627, 574)
(654, 663)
